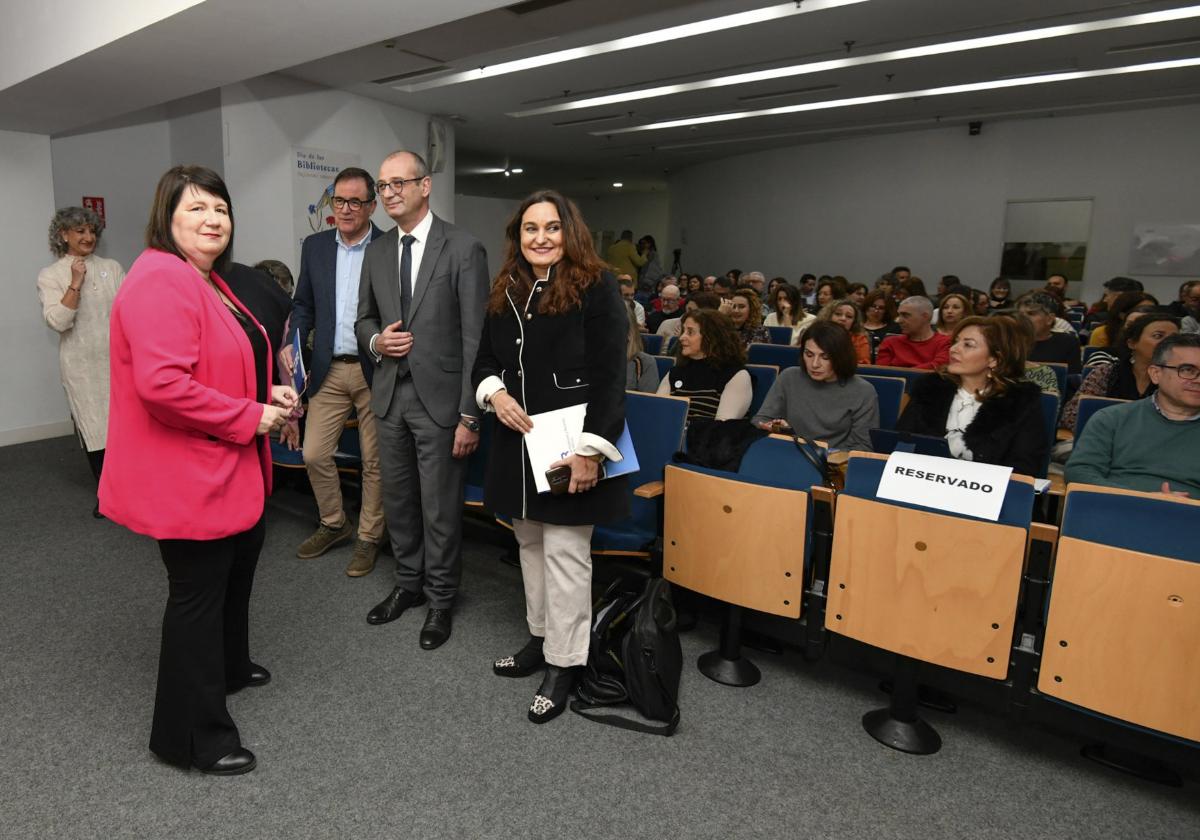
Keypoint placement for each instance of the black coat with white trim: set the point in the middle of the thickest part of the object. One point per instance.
(549, 362)
(1009, 429)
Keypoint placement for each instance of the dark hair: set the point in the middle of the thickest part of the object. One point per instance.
(889, 313)
(1163, 351)
(1040, 300)
(1023, 324)
(354, 172)
(705, 300)
(736, 272)
(793, 295)
(578, 269)
(1006, 341)
(834, 343)
(1133, 332)
(949, 280)
(718, 339)
(900, 268)
(649, 240)
(1119, 310)
(854, 287)
(806, 277)
(279, 272)
(166, 198)
(724, 283)
(914, 287)
(837, 289)
(997, 282)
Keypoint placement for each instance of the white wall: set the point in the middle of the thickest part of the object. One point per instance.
(34, 405)
(122, 165)
(265, 117)
(486, 217)
(935, 200)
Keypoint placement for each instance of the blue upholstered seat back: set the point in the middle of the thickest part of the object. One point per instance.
(890, 391)
(1134, 523)
(763, 377)
(774, 354)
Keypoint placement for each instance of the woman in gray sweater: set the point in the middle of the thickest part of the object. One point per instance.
(822, 398)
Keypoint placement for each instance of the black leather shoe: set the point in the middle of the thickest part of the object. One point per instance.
(436, 630)
(257, 676)
(96, 514)
(236, 763)
(394, 605)
(551, 699)
(524, 662)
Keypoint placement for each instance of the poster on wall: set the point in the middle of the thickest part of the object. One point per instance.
(1168, 249)
(313, 171)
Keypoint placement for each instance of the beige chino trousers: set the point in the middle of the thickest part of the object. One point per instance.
(343, 388)
(556, 567)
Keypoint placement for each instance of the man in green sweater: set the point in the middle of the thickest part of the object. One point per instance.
(623, 255)
(1152, 444)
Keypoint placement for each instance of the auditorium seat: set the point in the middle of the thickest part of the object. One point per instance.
(927, 585)
(892, 399)
(909, 375)
(665, 363)
(763, 377)
(773, 354)
(1088, 406)
(652, 343)
(780, 335)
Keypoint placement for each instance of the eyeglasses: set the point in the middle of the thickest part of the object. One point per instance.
(1186, 372)
(396, 185)
(355, 203)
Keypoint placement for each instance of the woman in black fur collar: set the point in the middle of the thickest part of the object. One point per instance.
(979, 402)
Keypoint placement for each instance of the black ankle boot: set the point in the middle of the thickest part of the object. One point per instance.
(551, 698)
(524, 662)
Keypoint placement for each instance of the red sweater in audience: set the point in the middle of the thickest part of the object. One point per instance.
(901, 351)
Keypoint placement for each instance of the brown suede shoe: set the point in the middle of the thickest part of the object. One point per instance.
(324, 539)
(363, 560)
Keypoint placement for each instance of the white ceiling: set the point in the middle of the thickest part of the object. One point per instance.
(354, 45)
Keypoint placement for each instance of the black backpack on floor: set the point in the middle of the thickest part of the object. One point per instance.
(634, 658)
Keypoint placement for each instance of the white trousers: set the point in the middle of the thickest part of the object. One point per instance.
(556, 566)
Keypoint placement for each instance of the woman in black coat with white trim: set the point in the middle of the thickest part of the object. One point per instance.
(979, 402)
(554, 337)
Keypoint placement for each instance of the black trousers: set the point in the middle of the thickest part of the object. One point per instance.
(205, 645)
(96, 462)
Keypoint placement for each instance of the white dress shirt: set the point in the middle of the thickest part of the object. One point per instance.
(421, 232)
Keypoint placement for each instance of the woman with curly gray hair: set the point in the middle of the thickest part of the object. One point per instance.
(77, 292)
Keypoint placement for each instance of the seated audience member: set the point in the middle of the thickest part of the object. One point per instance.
(952, 308)
(772, 285)
(980, 402)
(1108, 355)
(1039, 374)
(808, 289)
(912, 287)
(695, 285)
(710, 368)
(900, 274)
(669, 303)
(1188, 303)
(845, 314)
(1106, 334)
(1057, 283)
(823, 398)
(723, 287)
(1049, 346)
(981, 304)
(756, 281)
(628, 289)
(879, 318)
(858, 293)
(1127, 378)
(746, 314)
(733, 275)
(886, 284)
(789, 311)
(1190, 325)
(998, 294)
(828, 291)
(917, 345)
(1152, 444)
(1114, 288)
(641, 372)
(671, 327)
(278, 272)
(710, 283)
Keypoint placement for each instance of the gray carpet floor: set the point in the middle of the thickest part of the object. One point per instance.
(361, 733)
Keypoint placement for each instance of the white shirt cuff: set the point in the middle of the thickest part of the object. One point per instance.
(371, 346)
(590, 444)
(487, 388)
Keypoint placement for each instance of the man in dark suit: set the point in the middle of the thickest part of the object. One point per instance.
(420, 315)
(327, 299)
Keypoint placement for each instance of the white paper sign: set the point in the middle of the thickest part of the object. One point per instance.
(551, 439)
(949, 484)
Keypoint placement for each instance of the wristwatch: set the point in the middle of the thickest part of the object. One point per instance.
(469, 423)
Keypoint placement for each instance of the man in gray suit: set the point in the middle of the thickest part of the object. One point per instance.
(421, 301)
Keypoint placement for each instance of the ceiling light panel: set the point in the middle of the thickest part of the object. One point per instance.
(947, 90)
(945, 48)
(644, 39)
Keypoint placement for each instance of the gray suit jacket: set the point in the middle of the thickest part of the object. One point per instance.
(449, 299)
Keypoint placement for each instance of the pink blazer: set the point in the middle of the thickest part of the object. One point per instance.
(182, 459)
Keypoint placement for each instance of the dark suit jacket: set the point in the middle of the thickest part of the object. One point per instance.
(316, 300)
(1008, 430)
(269, 304)
(449, 297)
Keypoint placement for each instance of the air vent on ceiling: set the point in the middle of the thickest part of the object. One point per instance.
(588, 120)
(1153, 45)
(530, 6)
(754, 97)
(412, 74)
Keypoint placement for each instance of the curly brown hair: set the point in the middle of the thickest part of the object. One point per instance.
(1004, 341)
(718, 339)
(755, 318)
(578, 269)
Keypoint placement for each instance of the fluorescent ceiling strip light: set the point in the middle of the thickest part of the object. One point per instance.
(948, 90)
(644, 39)
(875, 58)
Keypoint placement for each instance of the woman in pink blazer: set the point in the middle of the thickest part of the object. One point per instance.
(188, 463)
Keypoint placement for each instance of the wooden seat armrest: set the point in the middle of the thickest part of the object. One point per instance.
(649, 490)
(1041, 532)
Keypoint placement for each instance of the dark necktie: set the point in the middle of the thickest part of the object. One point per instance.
(406, 279)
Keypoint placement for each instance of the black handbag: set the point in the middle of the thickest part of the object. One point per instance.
(635, 658)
